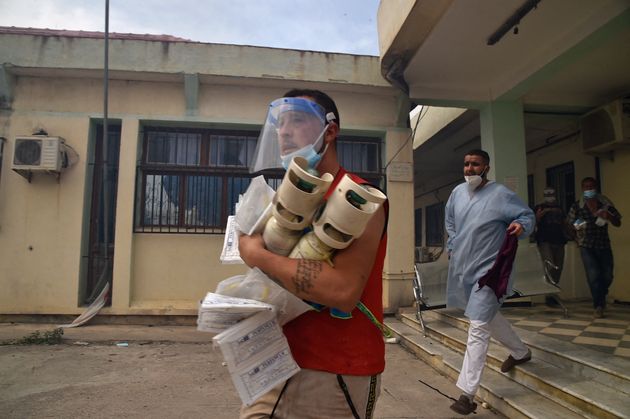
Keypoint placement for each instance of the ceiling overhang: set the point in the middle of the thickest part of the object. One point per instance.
(566, 53)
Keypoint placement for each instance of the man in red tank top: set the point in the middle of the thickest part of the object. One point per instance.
(341, 359)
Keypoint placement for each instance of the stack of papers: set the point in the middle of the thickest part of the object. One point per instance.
(257, 355)
(229, 253)
(218, 312)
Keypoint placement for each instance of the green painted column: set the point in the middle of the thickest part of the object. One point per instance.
(503, 137)
(191, 94)
(7, 83)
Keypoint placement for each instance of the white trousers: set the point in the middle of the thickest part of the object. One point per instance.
(479, 334)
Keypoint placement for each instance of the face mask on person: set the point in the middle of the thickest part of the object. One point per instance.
(308, 152)
(549, 199)
(475, 180)
(591, 193)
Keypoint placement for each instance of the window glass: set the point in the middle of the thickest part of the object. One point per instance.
(562, 179)
(418, 227)
(189, 180)
(359, 156)
(236, 186)
(203, 201)
(173, 148)
(161, 204)
(228, 150)
(435, 224)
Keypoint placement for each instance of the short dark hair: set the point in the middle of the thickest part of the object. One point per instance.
(480, 153)
(589, 179)
(321, 99)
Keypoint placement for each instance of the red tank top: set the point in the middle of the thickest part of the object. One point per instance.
(352, 346)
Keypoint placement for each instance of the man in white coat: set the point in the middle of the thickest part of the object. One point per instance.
(479, 215)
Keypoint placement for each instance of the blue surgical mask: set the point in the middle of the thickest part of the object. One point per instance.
(308, 152)
(591, 193)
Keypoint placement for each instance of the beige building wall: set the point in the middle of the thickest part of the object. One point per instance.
(615, 185)
(40, 234)
(42, 223)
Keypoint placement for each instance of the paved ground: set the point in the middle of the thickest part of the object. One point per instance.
(168, 372)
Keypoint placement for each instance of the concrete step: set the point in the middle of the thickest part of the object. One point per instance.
(611, 371)
(503, 394)
(588, 390)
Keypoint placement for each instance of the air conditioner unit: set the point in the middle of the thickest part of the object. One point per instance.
(38, 153)
(606, 128)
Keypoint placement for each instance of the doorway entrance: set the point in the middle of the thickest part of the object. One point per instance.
(102, 213)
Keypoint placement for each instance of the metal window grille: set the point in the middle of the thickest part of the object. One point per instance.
(189, 180)
(362, 156)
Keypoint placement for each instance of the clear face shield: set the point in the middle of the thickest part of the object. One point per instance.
(294, 126)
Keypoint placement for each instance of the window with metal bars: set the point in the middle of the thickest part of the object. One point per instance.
(189, 179)
(435, 224)
(362, 156)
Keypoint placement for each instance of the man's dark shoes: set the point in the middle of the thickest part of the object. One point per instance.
(599, 313)
(464, 405)
(511, 362)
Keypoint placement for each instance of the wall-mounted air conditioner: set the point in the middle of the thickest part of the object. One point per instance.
(606, 128)
(38, 153)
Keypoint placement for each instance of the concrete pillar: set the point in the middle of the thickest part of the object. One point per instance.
(503, 137)
(398, 268)
(191, 94)
(123, 246)
(7, 83)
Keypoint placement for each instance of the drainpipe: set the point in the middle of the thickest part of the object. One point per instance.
(105, 140)
(393, 72)
(105, 277)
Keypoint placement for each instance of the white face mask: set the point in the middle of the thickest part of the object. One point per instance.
(475, 180)
(550, 199)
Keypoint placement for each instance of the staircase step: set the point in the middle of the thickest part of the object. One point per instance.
(561, 381)
(505, 395)
(611, 371)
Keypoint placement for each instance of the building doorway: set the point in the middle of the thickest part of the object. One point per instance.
(102, 213)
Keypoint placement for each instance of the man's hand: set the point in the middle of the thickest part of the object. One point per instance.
(249, 247)
(515, 229)
(604, 214)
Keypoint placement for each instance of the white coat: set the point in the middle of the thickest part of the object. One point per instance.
(476, 224)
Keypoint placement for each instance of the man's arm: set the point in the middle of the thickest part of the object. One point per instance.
(522, 217)
(572, 215)
(612, 215)
(340, 286)
(449, 224)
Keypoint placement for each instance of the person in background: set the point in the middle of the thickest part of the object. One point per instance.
(480, 215)
(551, 236)
(590, 217)
(341, 360)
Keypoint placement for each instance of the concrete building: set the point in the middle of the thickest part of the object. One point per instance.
(183, 119)
(520, 79)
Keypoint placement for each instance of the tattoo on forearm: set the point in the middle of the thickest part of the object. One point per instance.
(307, 271)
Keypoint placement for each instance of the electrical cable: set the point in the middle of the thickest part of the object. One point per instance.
(422, 114)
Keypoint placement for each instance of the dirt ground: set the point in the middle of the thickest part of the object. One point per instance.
(175, 380)
(157, 380)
